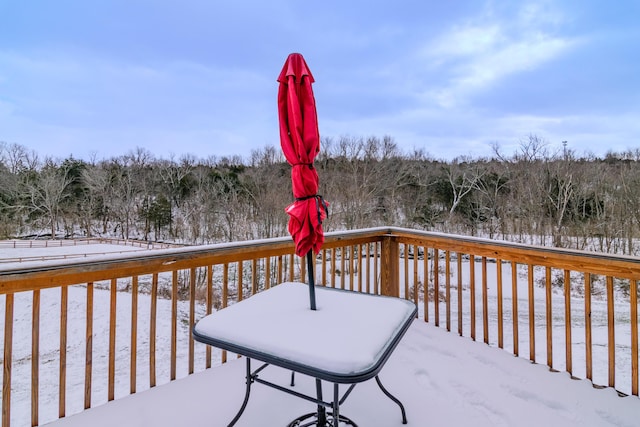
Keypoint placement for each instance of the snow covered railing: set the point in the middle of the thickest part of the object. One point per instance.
(78, 333)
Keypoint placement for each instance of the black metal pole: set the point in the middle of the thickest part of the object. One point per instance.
(312, 280)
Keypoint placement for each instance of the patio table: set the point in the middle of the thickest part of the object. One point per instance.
(347, 340)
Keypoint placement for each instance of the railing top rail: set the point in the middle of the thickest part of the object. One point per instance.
(572, 259)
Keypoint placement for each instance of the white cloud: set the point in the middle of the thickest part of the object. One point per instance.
(478, 54)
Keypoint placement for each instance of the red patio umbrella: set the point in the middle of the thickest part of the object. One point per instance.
(300, 141)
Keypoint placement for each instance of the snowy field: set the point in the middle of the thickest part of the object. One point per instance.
(13, 257)
(50, 324)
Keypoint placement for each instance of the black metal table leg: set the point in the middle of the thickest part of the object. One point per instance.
(392, 397)
(249, 379)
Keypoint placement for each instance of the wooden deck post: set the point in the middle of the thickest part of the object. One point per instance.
(389, 266)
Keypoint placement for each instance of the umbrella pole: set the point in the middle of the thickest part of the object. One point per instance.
(312, 284)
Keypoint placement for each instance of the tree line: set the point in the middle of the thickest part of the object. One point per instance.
(534, 195)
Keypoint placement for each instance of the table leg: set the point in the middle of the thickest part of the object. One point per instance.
(249, 379)
(392, 397)
(322, 413)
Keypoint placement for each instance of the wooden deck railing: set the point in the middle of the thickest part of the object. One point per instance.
(117, 316)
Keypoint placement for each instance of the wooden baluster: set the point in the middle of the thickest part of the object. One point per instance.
(134, 334)
(267, 272)
(406, 271)
(324, 268)
(209, 310)
(532, 318)
(352, 267)
(514, 307)
(255, 278)
(588, 339)
(485, 302)
(64, 310)
(447, 281)
(152, 330)
(567, 321)
(112, 339)
(416, 279)
(240, 284)
(425, 266)
(342, 267)
(35, 357)
(549, 310)
(174, 323)
(633, 299)
(192, 317)
(472, 294)
(368, 263)
(500, 307)
(291, 268)
(378, 250)
(459, 278)
(7, 359)
(359, 266)
(225, 294)
(436, 286)
(334, 254)
(611, 324)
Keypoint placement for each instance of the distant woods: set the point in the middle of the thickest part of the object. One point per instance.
(532, 196)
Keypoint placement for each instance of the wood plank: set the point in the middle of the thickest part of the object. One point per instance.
(7, 359)
(324, 267)
(35, 357)
(225, 294)
(88, 350)
(255, 278)
(425, 285)
(485, 302)
(134, 336)
(514, 307)
(532, 316)
(436, 286)
(549, 316)
(174, 325)
(267, 273)
(209, 304)
(472, 294)
(500, 308)
(459, 307)
(368, 263)
(567, 321)
(587, 330)
(405, 262)
(416, 279)
(62, 385)
(447, 285)
(112, 339)
(359, 265)
(611, 324)
(192, 318)
(153, 313)
(633, 318)
(342, 267)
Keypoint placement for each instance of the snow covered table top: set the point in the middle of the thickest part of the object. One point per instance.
(346, 340)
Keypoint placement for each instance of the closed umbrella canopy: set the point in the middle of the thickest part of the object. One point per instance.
(300, 141)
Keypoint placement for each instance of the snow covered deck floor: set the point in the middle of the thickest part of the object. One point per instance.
(442, 379)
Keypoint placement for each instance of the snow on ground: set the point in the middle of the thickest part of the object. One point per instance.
(442, 379)
(16, 257)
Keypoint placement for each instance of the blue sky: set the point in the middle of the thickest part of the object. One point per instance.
(101, 77)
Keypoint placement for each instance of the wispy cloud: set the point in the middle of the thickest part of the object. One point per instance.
(480, 52)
